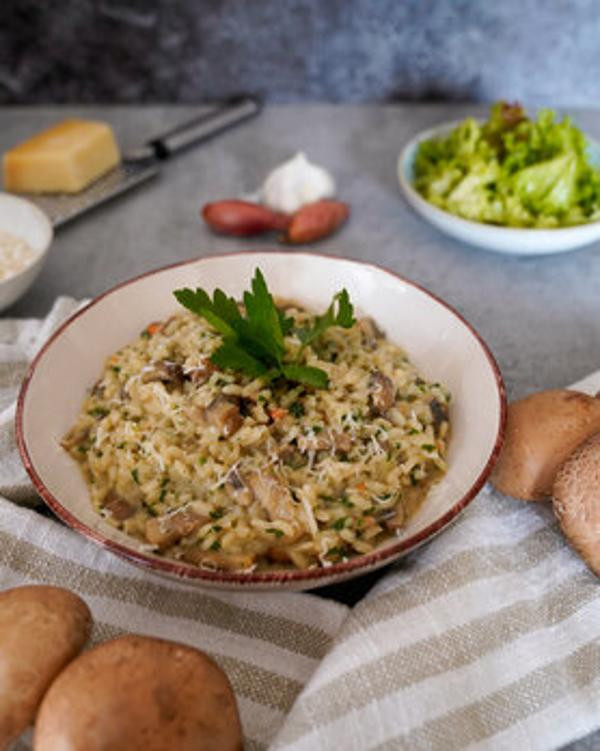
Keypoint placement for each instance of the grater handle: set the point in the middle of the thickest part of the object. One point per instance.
(205, 126)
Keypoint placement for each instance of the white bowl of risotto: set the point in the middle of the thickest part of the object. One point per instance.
(207, 447)
(25, 237)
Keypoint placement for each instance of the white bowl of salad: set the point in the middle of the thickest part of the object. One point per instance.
(511, 184)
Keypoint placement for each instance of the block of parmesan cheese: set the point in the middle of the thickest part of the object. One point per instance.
(63, 159)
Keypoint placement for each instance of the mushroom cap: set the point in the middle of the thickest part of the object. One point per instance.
(576, 501)
(42, 628)
(141, 694)
(542, 430)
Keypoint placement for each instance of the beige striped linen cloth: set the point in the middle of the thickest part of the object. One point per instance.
(487, 638)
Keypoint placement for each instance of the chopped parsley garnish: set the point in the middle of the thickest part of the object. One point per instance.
(218, 513)
(216, 545)
(216, 528)
(428, 447)
(254, 344)
(135, 475)
(201, 460)
(150, 509)
(337, 553)
(163, 488)
(115, 368)
(98, 412)
(339, 523)
(345, 501)
(272, 531)
(296, 409)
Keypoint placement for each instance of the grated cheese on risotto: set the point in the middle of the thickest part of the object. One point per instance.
(231, 472)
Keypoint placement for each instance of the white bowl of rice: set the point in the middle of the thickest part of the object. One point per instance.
(244, 481)
(25, 237)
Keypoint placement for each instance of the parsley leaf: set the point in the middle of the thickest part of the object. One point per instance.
(306, 374)
(254, 344)
(264, 321)
(216, 312)
(343, 316)
(287, 324)
(231, 356)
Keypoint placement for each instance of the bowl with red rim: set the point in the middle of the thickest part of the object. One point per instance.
(438, 340)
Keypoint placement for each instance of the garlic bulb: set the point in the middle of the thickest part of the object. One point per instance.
(295, 183)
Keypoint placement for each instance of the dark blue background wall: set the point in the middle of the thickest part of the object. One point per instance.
(540, 51)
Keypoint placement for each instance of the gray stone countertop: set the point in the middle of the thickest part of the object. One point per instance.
(539, 315)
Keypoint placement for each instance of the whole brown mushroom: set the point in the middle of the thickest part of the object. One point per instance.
(576, 501)
(140, 694)
(542, 430)
(42, 628)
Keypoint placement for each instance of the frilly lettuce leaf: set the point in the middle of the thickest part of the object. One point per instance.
(511, 170)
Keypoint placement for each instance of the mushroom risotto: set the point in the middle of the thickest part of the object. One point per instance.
(231, 465)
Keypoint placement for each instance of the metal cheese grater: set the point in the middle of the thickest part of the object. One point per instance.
(143, 163)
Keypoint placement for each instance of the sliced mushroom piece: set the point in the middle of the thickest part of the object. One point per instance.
(341, 441)
(439, 412)
(164, 531)
(224, 414)
(397, 521)
(370, 332)
(382, 393)
(321, 442)
(278, 502)
(278, 555)
(76, 437)
(237, 487)
(216, 559)
(234, 476)
(118, 507)
(164, 371)
(200, 374)
(97, 389)
(292, 457)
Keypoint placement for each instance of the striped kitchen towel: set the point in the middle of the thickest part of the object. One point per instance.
(488, 638)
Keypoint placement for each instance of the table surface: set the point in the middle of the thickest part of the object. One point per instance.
(539, 315)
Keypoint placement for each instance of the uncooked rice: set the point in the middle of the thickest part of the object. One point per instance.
(15, 254)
